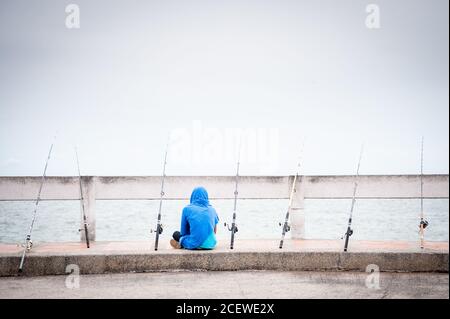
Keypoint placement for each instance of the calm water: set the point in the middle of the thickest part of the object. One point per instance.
(132, 220)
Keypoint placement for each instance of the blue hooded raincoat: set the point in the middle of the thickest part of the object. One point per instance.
(198, 221)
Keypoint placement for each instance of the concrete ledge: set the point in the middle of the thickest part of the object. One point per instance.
(285, 261)
(99, 261)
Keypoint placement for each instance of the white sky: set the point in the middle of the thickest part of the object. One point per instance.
(136, 70)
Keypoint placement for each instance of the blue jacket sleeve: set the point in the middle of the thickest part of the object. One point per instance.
(216, 218)
(184, 224)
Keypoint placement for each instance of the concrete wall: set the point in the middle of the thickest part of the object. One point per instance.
(250, 187)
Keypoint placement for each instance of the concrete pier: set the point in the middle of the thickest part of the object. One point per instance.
(297, 255)
(254, 269)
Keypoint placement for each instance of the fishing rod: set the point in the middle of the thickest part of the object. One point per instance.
(85, 224)
(286, 227)
(234, 228)
(423, 223)
(159, 226)
(349, 227)
(28, 242)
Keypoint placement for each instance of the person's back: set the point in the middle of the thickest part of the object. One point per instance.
(198, 223)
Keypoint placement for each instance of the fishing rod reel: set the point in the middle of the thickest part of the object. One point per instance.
(423, 224)
(348, 233)
(286, 227)
(29, 243)
(158, 229)
(82, 229)
(235, 230)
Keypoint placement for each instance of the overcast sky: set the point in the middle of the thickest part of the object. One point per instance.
(282, 71)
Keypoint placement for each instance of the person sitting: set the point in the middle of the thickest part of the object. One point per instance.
(198, 223)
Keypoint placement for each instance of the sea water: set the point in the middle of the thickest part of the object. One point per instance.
(132, 220)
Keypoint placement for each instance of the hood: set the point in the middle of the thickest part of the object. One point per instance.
(199, 197)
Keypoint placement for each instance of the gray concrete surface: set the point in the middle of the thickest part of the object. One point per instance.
(241, 284)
